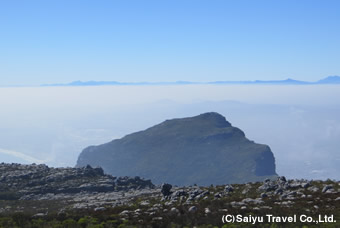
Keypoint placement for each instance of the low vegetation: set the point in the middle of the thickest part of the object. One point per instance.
(188, 207)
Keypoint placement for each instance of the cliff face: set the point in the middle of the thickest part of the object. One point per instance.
(205, 149)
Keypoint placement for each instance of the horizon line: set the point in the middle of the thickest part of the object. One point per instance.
(328, 80)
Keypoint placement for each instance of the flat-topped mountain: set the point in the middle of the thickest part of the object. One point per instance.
(204, 149)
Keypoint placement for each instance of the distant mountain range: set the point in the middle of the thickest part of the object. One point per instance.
(328, 80)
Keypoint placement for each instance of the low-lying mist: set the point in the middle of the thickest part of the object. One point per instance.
(52, 125)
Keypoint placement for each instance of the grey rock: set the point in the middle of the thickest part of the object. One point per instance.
(169, 203)
(192, 209)
(39, 215)
(331, 191)
(174, 211)
(237, 204)
(313, 189)
(218, 195)
(282, 178)
(100, 209)
(179, 193)
(125, 213)
(245, 191)
(279, 191)
(326, 188)
(295, 185)
(144, 203)
(305, 185)
(157, 218)
(252, 201)
(267, 187)
(27, 182)
(266, 207)
(228, 188)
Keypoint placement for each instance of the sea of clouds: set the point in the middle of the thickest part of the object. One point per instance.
(52, 125)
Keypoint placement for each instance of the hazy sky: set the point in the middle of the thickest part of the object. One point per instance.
(133, 40)
(52, 125)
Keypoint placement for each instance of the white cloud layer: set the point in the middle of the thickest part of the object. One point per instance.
(52, 125)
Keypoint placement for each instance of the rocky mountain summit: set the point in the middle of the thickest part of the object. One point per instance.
(204, 149)
(40, 181)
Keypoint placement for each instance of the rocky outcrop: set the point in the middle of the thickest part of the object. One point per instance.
(160, 206)
(280, 191)
(205, 149)
(18, 181)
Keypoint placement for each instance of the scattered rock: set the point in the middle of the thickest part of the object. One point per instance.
(124, 213)
(282, 179)
(157, 218)
(252, 201)
(144, 203)
(305, 185)
(192, 209)
(39, 215)
(174, 210)
(138, 210)
(100, 209)
(228, 188)
(313, 189)
(326, 188)
(218, 195)
(223, 210)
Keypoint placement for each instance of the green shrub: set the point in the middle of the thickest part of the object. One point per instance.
(69, 223)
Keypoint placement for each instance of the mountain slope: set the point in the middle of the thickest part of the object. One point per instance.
(330, 80)
(205, 149)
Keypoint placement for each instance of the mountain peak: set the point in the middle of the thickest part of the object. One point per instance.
(330, 80)
(204, 149)
(213, 118)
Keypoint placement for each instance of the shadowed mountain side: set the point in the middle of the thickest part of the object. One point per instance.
(205, 149)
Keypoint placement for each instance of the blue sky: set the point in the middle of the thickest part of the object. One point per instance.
(132, 40)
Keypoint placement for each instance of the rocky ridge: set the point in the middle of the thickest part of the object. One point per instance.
(88, 196)
(26, 182)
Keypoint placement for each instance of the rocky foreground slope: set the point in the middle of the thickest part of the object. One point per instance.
(39, 196)
(26, 182)
(204, 149)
